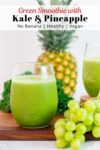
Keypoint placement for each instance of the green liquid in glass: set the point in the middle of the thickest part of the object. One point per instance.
(33, 100)
(91, 75)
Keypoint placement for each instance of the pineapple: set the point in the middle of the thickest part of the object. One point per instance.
(55, 45)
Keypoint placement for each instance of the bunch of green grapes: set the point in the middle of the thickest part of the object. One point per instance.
(78, 120)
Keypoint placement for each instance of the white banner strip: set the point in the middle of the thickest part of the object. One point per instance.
(84, 17)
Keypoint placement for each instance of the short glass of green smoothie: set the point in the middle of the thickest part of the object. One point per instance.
(91, 69)
(33, 98)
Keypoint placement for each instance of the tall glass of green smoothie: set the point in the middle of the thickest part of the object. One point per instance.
(33, 95)
(91, 69)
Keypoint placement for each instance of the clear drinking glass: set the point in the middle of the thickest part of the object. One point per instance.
(33, 95)
(91, 69)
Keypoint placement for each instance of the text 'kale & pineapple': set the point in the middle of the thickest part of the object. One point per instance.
(50, 18)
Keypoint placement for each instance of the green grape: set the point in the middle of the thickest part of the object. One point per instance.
(89, 128)
(67, 115)
(70, 126)
(74, 109)
(97, 103)
(73, 117)
(59, 132)
(59, 123)
(81, 114)
(69, 136)
(89, 120)
(80, 127)
(75, 144)
(61, 143)
(73, 106)
(96, 132)
(97, 119)
(73, 103)
(79, 136)
(89, 106)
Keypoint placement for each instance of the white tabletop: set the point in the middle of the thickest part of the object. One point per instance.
(42, 145)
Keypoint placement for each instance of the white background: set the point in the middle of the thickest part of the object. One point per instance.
(24, 46)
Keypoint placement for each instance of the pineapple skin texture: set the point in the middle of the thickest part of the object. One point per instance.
(65, 67)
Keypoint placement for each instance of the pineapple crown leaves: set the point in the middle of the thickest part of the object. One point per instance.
(60, 2)
(66, 2)
(55, 40)
(40, 2)
(56, 2)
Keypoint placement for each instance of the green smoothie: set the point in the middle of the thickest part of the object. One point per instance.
(91, 75)
(33, 100)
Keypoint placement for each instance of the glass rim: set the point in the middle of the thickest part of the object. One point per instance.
(22, 67)
(32, 63)
(89, 44)
(93, 43)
